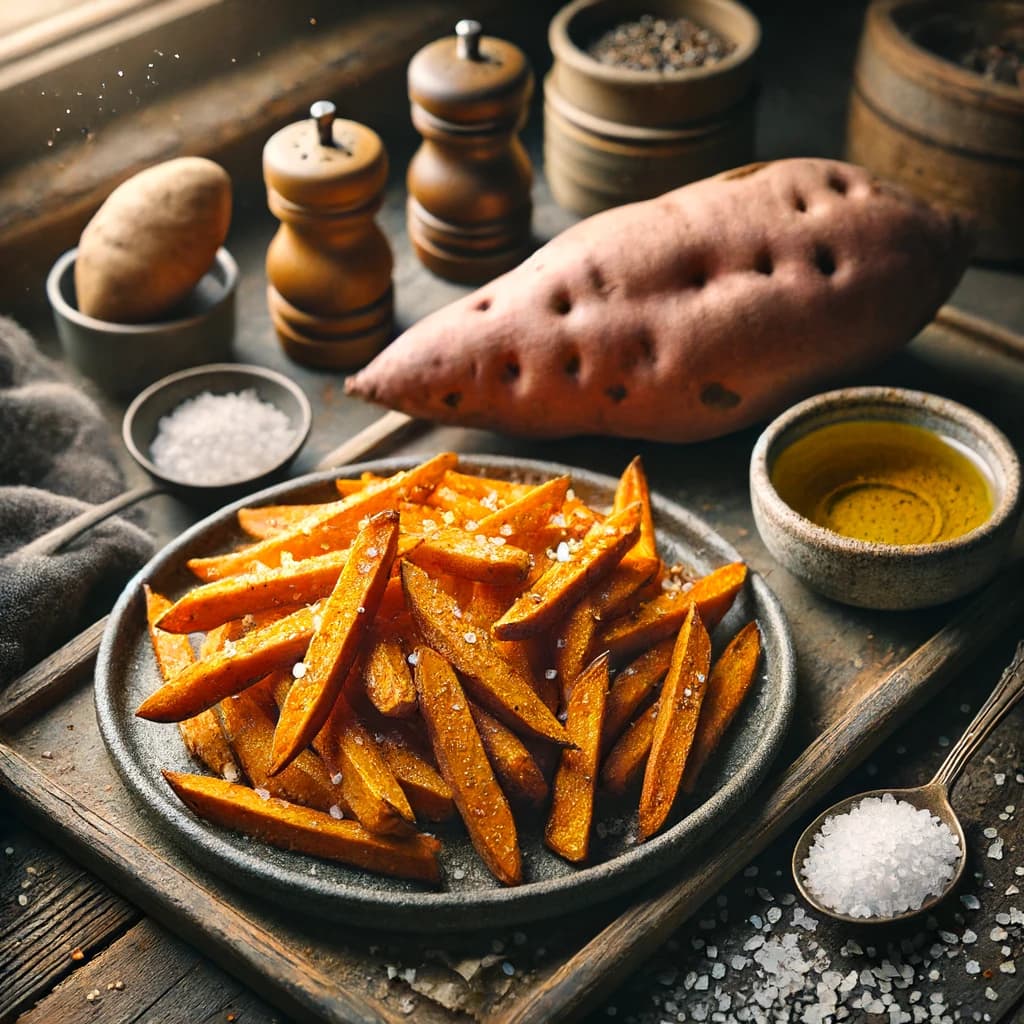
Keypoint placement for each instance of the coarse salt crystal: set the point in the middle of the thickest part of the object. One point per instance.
(209, 439)
(413, 659)
(882, 857)
(469, 637)
(298, 669)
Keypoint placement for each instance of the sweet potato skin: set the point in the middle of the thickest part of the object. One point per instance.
(687, 316)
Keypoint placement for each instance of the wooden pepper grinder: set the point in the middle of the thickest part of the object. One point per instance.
(469, 183)
(329, 265)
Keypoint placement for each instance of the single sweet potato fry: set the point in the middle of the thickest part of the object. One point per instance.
(632, 686)
(344, 621)
(333, 527)
(489, 490)
(429, 795)
(565, 582)
(471, 556)
(463, 762)
(270, 520)
(641, 563)
(346, 487)
(202, 734)
(503, 689)
(448, 500)
(370, 787)
(306, 830)
(214, 603)
(625, 762)
(388, 680)
(731, 677)
(526, 514)
(662, 616)
(572, 805)
(514, 765)
(231, 669)
(682, 694)
(305, 781)
(633, 487)
(220, 635)
(573, 641)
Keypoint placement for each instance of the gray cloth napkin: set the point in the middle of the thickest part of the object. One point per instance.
(55, 460)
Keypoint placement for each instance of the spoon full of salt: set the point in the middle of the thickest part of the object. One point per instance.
(890, 854)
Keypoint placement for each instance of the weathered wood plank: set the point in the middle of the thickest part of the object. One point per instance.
(200, 915)
(42, 686)
(149, 975)
(586, 978)
(65, 910)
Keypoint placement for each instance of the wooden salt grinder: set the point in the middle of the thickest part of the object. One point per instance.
(329, 265)
(469, 202)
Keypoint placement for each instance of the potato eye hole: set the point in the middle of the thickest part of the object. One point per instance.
(824, 260)
(511, 371)
(561, 304)
(572, 365)
(763, 263)
(837, 183)
(483, 305)
(799, 203)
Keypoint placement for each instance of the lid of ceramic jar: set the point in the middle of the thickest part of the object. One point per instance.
(325, 161)
(470, 78)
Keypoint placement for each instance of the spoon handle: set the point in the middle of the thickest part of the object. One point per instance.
(1007, 692)
(53, 540)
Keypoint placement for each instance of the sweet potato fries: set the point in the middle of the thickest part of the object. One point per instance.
(438, 643)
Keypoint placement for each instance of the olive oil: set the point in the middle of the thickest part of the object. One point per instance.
(885, 482)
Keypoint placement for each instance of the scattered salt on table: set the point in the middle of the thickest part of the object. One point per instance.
(881, 858)
(221, 439)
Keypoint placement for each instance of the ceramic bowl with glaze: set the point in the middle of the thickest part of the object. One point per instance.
(869, 574)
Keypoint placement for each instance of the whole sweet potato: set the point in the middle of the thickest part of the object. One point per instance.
(686, 316)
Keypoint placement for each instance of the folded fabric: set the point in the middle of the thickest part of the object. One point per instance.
(56, 459)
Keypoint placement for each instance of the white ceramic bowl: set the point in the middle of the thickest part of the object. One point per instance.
(889, 576)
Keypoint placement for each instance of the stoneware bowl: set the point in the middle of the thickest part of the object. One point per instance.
(887, 576)
(142, 420)
(123, 358)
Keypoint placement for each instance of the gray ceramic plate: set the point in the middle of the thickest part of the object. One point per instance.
(126, 672)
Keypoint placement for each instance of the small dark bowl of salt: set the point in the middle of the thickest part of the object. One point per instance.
(220, 430)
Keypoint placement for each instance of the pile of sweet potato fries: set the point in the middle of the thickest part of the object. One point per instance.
(436, 641)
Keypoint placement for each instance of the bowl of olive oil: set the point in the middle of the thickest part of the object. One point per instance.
(886, 498)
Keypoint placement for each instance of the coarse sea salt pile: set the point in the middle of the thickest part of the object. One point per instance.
(221, 439)
(881, 858)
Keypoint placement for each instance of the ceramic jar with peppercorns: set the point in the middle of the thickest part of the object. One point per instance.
(644, 97)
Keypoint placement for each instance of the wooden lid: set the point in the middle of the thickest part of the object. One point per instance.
(470, 78)
(325, 162)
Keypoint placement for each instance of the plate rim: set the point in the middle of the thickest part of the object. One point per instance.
(430, 910)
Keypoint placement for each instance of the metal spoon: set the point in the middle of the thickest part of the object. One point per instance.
(140, 425)
(933, 796)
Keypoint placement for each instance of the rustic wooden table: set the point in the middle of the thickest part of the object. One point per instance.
(72, 949)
